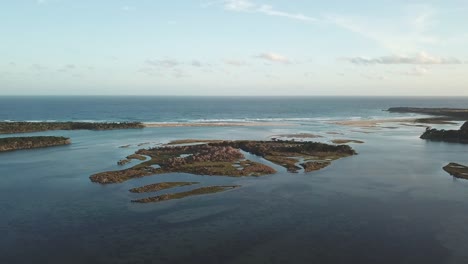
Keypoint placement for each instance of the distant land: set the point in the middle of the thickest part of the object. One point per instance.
(18, 143)
(452, 113)
(27, 127)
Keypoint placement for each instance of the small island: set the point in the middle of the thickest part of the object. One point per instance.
(160, 186)
(27, 127)
(346, 141)
(457, 170)
(455, 136)
(18, 143)
(180, 195)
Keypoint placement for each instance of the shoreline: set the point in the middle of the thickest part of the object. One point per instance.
(217, 124)
(372, 122)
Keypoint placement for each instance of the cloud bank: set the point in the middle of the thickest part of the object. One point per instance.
(419, 59)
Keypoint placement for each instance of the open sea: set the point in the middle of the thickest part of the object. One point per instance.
(391, 203)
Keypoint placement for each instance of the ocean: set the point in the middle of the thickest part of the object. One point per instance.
(391, 203)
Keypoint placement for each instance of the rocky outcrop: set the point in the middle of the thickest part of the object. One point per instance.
(26, 127)
(457, 170)
(17, 143)
(457, 136)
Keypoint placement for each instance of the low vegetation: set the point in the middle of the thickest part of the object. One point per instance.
(26, 127)
(180, 195)
(160, 186)
(17, 143)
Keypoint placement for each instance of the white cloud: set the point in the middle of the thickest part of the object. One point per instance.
(421, 58)
(196, 63)
(274, 57)
(239, 5)
(37, 67)
(396, 33)
(235, 62)
(249, 6)
(417, 71)
(166, 63)
(67, 67)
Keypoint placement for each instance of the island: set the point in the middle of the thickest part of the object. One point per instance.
(220, 158)
(455, 136)
(457, 170)
(160, 186)
(27, 127)
(346, 141)
(180, 195)
(226, 159)
(18, 143)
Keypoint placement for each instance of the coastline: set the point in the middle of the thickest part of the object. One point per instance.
(217, 124)
(372, 122)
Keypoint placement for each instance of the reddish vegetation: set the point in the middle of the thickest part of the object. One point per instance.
(314, 165)
(207, 153)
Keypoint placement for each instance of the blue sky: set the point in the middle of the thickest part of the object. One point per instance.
(236, 47)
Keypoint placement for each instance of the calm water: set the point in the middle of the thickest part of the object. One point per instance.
(392, 203)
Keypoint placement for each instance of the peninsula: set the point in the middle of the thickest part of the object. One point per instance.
(27, 127)
(456, 136)
(17, 143)
(442, 113)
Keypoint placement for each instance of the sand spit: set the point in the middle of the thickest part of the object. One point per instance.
(217, 124)
(372, 122)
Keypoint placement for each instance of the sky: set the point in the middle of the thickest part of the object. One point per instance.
(234, 47)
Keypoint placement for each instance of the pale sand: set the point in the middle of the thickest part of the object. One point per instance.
(371, 123)
(216, 124)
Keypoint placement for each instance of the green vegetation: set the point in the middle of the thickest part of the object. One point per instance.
(17, 143)
(136, 156)
(160, 186)
(346, 141)
(288, 153)
(225, 159)
(314, 165)
(192, 141)
(180, 195)
(26, 127)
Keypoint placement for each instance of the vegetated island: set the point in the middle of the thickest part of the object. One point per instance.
(457, 170)
(180, 195)
(456, 136)
(226, 159)
(444, 115)
(223, 158)
(27, 127)
(160, 186)
(346, 141)
(17, 143)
